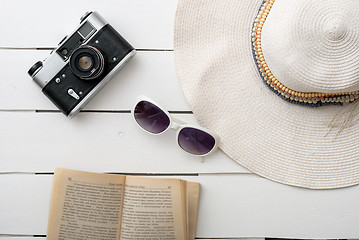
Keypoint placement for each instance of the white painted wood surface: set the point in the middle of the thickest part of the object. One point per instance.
(146, 24)
(33, 139)
(150, 73)
(105, 142)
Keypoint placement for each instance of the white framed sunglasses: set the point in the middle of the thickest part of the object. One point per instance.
(152, 118)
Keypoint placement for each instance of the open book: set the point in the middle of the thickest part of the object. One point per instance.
(108, 206)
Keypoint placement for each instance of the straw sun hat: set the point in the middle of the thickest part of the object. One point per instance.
(277, 80)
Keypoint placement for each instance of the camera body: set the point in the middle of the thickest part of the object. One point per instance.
(82, 64)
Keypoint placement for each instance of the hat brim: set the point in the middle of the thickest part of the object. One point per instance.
(282, 141)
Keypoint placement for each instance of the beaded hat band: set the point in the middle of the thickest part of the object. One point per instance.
(313, 99)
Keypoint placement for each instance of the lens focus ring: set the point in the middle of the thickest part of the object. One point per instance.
(87, 62)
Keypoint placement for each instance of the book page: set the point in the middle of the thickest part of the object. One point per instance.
(185, 206)
(192, 205)
(85, 205)
(154, 208)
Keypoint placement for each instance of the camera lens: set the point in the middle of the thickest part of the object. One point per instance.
(87, 62)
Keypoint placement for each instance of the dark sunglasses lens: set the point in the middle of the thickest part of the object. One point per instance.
(195, 141)
(151, 118)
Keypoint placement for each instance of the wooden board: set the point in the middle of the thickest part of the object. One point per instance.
(28, 24)
(236, 205)
(37, 138)
(103, 142)
(17, 237)
(148, 73)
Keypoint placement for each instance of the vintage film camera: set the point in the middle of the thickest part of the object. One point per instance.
(82, 64)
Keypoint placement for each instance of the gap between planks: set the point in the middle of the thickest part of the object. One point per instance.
(28, 237)
(85, 111)
(52, 48)
(139, 174)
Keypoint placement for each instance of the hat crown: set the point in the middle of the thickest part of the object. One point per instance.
(313, 46)
(334, 29)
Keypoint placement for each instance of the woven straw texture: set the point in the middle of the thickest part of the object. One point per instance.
(296, 145)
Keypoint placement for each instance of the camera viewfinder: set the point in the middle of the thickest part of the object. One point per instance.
(73, 42)
(86, 30)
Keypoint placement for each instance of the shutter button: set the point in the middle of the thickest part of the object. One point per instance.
(73, 94)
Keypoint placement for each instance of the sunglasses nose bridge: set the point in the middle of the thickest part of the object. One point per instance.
(175, 126)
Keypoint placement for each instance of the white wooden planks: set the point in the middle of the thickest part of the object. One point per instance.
(111, 142)
(237, 205)
(148, 73)
(24, 204)
(232, 205)
(41, 23)
(11, 237)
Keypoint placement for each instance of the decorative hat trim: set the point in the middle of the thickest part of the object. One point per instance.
(313, 99)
